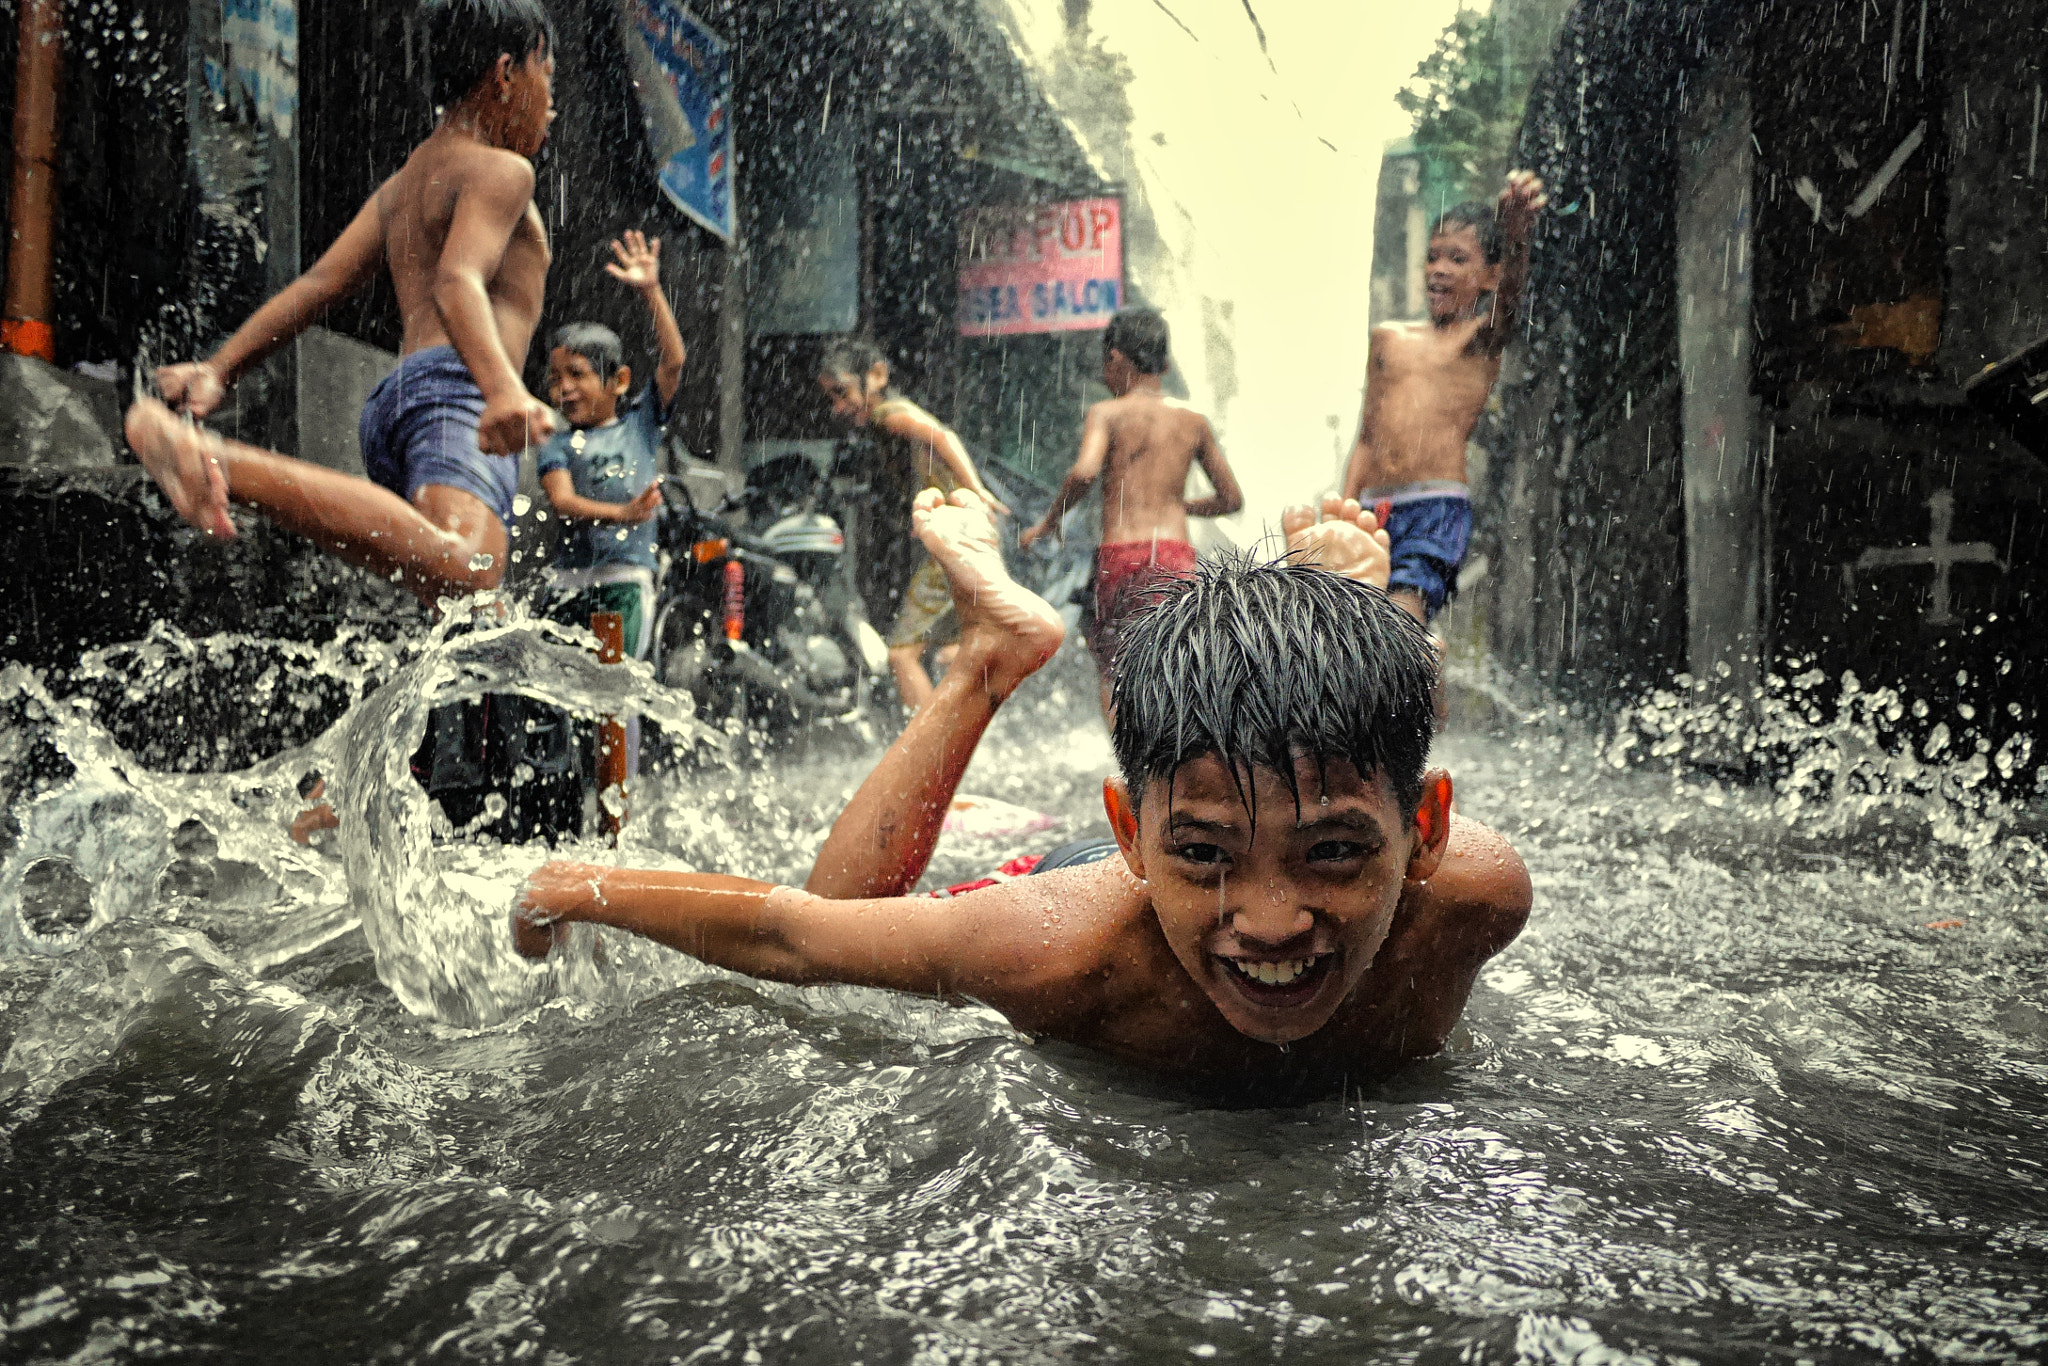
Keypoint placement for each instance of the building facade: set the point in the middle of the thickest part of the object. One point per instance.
(1736, 436)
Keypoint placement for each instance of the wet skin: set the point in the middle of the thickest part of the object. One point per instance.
(1144, 957)
(1140, 445)
(1427, 382)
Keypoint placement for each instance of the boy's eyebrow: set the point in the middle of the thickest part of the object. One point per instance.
(1349, 820)
(1181, 820)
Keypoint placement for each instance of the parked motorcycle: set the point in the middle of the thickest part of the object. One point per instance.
(763, 629)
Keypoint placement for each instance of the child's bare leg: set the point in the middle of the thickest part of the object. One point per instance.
(448, 545)
(880, 844)
(913, 684)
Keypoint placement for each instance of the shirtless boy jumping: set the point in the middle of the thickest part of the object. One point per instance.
(1140, 443)
(457, 229)
(1426, 383)
(1292, 904)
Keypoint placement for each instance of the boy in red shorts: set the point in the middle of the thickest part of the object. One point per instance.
(1140, 443)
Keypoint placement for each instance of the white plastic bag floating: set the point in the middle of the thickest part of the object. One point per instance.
(988, 819)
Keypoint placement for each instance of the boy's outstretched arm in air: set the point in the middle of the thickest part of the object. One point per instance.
(638, 266)
(1519, 204)
(1080, 479)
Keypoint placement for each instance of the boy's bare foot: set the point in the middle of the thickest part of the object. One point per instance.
(1006, 630)
(1344, 539)
(184, 459)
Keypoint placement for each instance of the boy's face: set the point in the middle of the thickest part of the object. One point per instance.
(1277, 924)
(529, 92)
(1458, 273)
(853, 397)
(575, 387)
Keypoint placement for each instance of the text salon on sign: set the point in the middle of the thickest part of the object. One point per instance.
(1045, 268)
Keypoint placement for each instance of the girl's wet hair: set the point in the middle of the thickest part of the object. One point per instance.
(853, 356)
(594, 342)
(1261, 663)
(465, 38)
(1477, 215)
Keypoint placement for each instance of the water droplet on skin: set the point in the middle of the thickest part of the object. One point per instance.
(479, 562)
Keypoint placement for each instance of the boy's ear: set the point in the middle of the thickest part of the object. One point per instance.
(1123, 822)
(501, 75)
(878, 375)
(1432, 826)
(622, 382)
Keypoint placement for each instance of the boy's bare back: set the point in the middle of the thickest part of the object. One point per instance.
(1148, 442)
(446, 176)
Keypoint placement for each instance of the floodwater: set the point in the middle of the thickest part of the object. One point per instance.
(1730, 1098)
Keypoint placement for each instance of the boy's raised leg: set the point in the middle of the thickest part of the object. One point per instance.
(880, 844)
(448, 545)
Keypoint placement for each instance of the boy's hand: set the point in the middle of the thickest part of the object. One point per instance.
(1031, 536)
(642, 508)
(639, 261)
(512, 423)
(1346, 540)
(1520, 202)
(194, 387)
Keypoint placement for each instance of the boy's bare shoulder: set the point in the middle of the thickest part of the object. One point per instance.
(1483, 879)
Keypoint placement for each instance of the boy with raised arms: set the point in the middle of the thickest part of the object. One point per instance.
(1293, 902)
(468, 255)
(1426, 384)
(1140, 444)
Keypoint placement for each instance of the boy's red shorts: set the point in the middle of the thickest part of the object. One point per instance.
(1124, 571)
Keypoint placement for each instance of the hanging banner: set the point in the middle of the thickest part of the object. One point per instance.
(1041, 268)
(682, 72)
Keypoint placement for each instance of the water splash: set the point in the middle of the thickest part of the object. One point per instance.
(433, 913)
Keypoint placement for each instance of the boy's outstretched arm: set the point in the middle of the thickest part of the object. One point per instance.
(1520, 202)
(978, 945)
(495, 195)
(1081, 478)
(1228, 497)
(639, 266)
(946, 446)
(197, 387)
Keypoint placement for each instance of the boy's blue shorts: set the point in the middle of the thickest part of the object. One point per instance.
(1429, 536)
(419, 427)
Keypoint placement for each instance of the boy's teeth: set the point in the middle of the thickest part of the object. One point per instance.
(1275, 974)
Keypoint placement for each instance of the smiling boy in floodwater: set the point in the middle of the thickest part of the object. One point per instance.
(1293, 901)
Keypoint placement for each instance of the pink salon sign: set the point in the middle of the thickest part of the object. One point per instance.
(1044, 268)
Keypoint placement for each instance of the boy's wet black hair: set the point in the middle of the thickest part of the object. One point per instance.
(1141, 334)
(594, 342)
(465, 38)
(1258, 663)
(1477, 215)
(853, 356)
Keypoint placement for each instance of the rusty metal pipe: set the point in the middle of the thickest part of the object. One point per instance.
(610, 630)
(32, 210)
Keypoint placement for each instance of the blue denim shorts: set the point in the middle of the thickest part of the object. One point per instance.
(419, 427)
(1428, 538)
